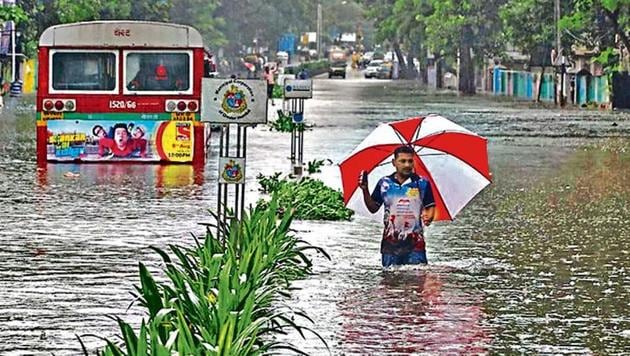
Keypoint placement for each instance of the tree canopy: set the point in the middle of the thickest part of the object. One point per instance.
(447, 30)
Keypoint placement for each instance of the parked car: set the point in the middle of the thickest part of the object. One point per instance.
(371, 70)
(384, 71)
(337, 69)
(366, 58)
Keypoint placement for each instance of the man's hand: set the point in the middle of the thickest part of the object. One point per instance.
(363, 181)
(427, 216)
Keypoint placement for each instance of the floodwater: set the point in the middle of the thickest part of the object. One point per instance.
(537, 263)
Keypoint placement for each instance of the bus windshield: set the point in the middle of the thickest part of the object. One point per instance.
(157, 72)
(85, 71)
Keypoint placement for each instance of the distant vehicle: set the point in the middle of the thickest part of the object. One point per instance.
(384, 71)
(337, 69)
(378, 55)
(372, 68)
(366, 58)
(209, 65)
(283, 58)
(337, 55)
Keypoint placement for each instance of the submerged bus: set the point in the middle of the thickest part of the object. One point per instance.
(124, 91)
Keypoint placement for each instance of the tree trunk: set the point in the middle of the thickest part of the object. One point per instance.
(422, 58)
(542, 76)
(402, 67)
(466, 68)
(411, 67)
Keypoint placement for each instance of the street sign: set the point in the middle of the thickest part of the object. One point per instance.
(231, 170)
(298, 118)
(298, 89)
(233, 101)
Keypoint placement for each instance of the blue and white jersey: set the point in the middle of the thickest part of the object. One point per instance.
(403, 204)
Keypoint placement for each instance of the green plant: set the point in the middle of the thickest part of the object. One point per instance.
(284, 123)
(222, 296)
(278, 92)
(314, 166)
(310, 199)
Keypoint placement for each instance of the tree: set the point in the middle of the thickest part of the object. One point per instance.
(529, 25)
(199, 14)
(596, 24)
(461, 28)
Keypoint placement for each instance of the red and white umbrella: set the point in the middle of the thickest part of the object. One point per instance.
(452, 158)
(250, 66)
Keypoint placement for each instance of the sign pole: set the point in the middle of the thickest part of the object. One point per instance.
(296, 91)
(300, 125)
(239, 103)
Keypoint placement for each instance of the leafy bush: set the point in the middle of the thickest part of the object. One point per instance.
(222, 296)
(314, 166)
(314, 68)
(309, 198)
(284, 123)
(278, 92)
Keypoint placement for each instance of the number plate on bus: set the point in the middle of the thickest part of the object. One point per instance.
(183, 116)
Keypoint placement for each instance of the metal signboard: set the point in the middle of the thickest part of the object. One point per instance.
(298, 89)
(233, 101)
(298, 118)
(231, 170)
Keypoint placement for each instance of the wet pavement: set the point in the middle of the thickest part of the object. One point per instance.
(537, 263)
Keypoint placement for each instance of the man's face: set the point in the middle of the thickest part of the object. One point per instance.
(100, 132)
(404, 164)
(138, 133)
(121, 137)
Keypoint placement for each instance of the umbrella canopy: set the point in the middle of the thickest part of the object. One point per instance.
(452, 158)
(250, 66)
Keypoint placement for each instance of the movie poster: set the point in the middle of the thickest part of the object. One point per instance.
(89, 140)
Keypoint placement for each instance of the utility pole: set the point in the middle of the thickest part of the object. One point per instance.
(319, 30)
(559, 55)
(557, 17)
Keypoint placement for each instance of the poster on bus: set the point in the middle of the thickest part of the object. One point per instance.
(88, 140)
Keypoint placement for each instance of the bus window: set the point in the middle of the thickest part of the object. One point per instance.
(84, 71)
(157, 72)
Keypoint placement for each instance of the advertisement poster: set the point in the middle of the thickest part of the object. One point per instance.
(89, 140)
(234, 101)
(231, 170)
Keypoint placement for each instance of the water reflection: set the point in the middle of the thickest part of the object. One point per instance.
(412, 311)
(163, 178)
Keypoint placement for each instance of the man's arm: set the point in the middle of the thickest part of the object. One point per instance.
(371, 204)
(427, 215)
(428, 203)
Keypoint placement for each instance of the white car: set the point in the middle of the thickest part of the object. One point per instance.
(367, 57)
(371, 71)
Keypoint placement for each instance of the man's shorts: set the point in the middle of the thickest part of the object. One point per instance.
(413, 258)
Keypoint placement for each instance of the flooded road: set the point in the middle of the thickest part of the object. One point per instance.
(538, 263)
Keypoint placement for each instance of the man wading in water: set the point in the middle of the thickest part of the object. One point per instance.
(409, 204)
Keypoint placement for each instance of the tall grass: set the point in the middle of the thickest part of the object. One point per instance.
(221, 296)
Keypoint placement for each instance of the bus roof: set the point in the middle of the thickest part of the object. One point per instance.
(121, 34)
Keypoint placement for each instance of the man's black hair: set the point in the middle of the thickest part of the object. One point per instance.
(121, 126)
(403, 149)
(95, 127)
